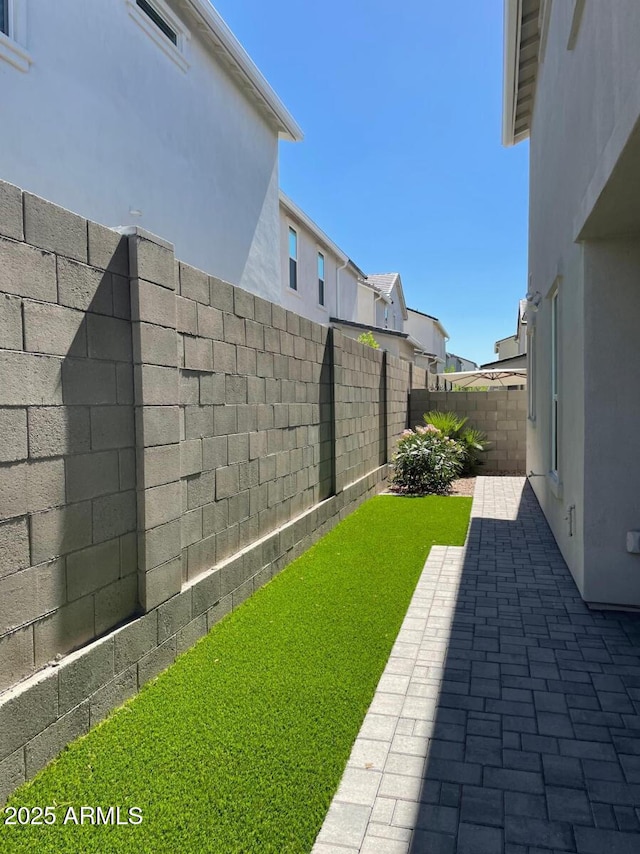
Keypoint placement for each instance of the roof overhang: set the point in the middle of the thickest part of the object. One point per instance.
(522, 29)
(403, 304)
(241, 67)
(377, 330)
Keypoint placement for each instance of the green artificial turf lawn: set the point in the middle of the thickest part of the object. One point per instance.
(240, 745)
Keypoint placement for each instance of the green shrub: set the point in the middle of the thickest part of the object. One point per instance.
(368, 339)
(426, 461)
(474, 442)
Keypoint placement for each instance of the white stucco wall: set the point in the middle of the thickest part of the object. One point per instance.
(383, 313)
(340, 282)
(105, 122)
(366, 312)
(396, 320)
(507, 348)
(428, 332)
(587, 103)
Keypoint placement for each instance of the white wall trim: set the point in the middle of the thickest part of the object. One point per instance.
(578, 10)
(13, 46)
(178, 52)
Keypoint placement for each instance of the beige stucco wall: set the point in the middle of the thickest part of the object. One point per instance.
(587, 104)
(428, 332)
(612, 419)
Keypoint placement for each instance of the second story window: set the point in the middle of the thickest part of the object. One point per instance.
(4, 17)
(320, 278)
(158, 20)
(293, 259)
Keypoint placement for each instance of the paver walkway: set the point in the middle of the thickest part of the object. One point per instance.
(507, 720)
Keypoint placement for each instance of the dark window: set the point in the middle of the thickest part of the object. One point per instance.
(293, 260)
(320, 278)
(4, 17)
(158, 20)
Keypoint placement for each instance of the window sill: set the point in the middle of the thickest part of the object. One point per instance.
(555, 484)
(14, 54)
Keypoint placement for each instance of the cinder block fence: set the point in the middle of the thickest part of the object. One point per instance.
(500, 412)
(168, 443)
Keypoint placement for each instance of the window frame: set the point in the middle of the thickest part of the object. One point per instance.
(322, 296)
(178, 52)
(12, 43)
(531, 370)
(555, 386)
(293, 260)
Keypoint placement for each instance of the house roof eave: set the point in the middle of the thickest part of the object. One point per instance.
(523, 22)
(244, 71)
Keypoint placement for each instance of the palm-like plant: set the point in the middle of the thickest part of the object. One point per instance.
(453, 426)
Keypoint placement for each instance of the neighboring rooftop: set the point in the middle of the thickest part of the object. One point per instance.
(381, 330)
(519, 361)
(423, 313)
(385, 283)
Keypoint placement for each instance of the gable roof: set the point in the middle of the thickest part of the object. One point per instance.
(242, 69)
(385, 283)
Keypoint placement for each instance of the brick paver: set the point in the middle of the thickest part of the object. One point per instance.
(507, 720)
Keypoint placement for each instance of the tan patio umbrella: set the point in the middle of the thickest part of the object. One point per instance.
(493, 377)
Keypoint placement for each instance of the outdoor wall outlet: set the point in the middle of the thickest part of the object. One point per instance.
(633, 542)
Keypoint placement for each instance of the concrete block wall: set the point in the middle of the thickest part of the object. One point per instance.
(359, 380)
(501, 413)
(399, 378)
(420, 377)
(256, 433)
(169, 443)
(67, 459)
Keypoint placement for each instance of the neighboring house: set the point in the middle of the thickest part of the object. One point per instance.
(165, 123)
(459, 363)
(431, 337)
(515, 345)
(506, 348)
(321, 282)
(391, 313)
(318, 280)
(370, 301)
(393, 341)
(571, 85)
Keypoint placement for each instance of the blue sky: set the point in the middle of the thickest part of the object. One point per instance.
(402, 163)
